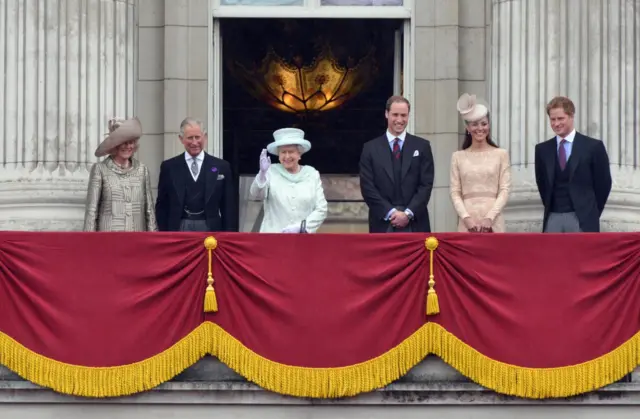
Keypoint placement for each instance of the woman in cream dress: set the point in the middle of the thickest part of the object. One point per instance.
(480, 173)
(293, 195)
(119, 193)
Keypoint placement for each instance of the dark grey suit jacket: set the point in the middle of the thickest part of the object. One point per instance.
(590, 182)
(377, 183)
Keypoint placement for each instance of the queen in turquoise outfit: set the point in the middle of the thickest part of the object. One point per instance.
(292, 194)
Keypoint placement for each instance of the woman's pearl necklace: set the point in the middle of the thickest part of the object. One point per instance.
(122, 166)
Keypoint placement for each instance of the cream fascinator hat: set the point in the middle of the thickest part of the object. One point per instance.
(469, 108)
(288, 136)
(120, 131)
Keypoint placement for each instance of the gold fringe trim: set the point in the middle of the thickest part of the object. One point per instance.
(534, 383)
(209, 338)
(122, 380)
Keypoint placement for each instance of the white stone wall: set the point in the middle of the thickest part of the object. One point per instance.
(173, 74)
(66, 67)
(451, 58)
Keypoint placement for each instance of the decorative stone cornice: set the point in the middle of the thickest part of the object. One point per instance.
(432, 382)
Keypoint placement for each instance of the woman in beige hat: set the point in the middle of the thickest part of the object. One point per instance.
(119, 195)
(480, 172)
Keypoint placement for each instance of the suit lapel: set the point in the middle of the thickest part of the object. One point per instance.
(210, 173)
(407, 154)
(179, 177)
(576, 154)
(551, 152)
(384, 154)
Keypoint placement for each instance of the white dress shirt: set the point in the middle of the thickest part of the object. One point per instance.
(391, 138)
(199, 159)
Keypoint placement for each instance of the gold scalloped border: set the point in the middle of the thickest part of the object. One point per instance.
(209, 338)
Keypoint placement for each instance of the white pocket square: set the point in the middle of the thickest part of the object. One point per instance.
(220, 177)
(416, 153)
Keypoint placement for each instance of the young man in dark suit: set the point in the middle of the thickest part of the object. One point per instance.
(196, 190)
(396, 175)
(572, 174)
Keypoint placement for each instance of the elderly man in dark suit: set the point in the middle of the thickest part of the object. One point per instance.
(396, 175)
(196, 191)
(572, 174)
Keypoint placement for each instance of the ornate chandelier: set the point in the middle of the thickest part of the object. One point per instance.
(297, 88)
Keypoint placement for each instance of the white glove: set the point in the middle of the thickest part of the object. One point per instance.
(265, 163)
(293, 228)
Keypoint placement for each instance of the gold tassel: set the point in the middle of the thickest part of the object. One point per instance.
(210, 300)
(433, 307)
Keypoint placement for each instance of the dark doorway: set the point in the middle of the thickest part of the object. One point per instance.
(363, 49)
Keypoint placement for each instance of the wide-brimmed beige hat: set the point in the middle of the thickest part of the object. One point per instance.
(469, 108)
(288, 136)
(119, 133)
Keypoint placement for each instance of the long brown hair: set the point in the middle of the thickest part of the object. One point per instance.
(468, 140)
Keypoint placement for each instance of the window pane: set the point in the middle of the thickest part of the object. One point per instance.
(262, 2)
(361, 2)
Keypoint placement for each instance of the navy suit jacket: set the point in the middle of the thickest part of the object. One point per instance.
(220, 197)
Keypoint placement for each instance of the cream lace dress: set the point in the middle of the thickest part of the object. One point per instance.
(480, 183)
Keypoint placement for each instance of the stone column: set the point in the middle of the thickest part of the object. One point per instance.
(66, 66)
(588, 50)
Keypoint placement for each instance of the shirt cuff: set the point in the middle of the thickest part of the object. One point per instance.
(409, 213)
(389, 214)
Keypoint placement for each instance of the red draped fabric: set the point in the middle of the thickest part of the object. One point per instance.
(304, 300)
(540, 300)
(100, 299)
(333, 304)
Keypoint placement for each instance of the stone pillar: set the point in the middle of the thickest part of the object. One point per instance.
(66, 66)
(587, 50)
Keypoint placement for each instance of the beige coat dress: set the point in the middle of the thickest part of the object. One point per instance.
(480, 184)
(119, 199)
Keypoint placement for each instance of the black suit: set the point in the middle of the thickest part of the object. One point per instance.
(589, 178)
(379, 189)
(219, 199)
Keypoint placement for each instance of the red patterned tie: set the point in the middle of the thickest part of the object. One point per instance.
(396, 148)
(562, 155)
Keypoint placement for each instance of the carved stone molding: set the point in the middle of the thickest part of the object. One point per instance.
(589, 55)
(67, 67)
(622, 213)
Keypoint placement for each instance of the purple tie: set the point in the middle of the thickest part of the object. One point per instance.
(562, 155)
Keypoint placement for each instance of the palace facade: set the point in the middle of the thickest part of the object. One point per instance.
(68, 66)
